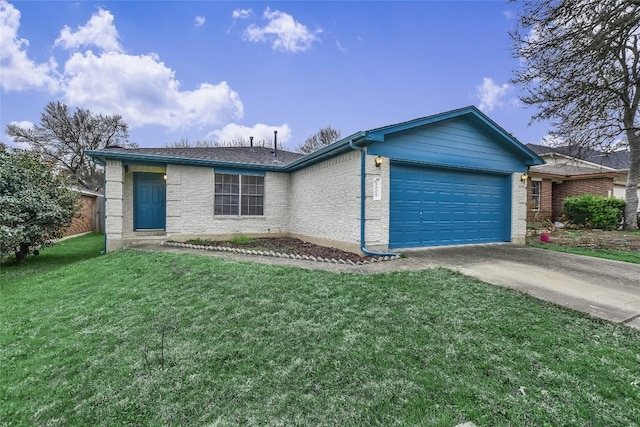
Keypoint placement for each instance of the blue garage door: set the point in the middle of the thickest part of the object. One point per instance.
(431, 207)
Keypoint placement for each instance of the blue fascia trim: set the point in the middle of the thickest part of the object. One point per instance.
(238, 171)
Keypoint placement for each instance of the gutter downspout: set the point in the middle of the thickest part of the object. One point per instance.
(362, 205)
(104, 208)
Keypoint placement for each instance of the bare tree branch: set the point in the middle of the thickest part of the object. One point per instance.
(62, 136)
(580, 69)
(320, 139)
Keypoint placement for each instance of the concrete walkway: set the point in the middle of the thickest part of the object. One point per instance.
(602, 288)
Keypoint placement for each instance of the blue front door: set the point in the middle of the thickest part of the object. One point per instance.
(149, 201)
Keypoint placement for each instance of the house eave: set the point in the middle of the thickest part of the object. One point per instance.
(574, 177)
(338, 147)
(101, 157)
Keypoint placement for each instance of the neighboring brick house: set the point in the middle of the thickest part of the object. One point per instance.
(450, 178)
(91, 215)
(564, 175)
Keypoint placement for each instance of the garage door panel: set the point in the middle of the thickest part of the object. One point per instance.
(432, 207)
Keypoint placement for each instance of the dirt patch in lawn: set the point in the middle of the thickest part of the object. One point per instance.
(595, 239)
(285, 245)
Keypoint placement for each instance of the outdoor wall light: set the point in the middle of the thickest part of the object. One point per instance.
(165, 176)
(378, 161)
(524, 177)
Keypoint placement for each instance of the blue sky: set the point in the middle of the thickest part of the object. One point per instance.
(227, 70)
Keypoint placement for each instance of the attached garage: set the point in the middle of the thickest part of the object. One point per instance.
(432, 206)
(454, 179)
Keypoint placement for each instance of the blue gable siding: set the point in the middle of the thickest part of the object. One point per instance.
(456, 142)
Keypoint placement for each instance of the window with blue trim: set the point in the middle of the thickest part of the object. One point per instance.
(535, 195)
(238, 194)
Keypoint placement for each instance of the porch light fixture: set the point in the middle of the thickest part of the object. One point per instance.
(524, 177)
(165, 176)
(378, 161)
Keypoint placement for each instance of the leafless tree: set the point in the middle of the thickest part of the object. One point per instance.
(62, 136)
(580, 68)
(320, 139)
(185, 143)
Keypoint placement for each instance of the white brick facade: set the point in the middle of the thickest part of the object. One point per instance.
(190, 196)
(320, 203)
(518, 209)
(326, 201)
(113, 194)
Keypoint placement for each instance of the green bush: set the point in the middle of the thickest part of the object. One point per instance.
(594, 211)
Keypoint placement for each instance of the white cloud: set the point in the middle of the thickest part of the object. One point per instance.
(284, 33)
(260, 133)
(141, 88)
(491, 94)
(99, 32)
(145, 91)
(241, 13)
(199, 21)
(341, 48)
(25, 124)
(17, 71)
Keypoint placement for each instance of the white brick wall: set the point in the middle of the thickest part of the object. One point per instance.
(325, 201)
(518, 209)
(114, 179)
(376, 211)
(190, 195)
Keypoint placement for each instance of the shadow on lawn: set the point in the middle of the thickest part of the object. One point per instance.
(60, 254)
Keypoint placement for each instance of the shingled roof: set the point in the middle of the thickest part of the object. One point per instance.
(240, 155)
(619, 160)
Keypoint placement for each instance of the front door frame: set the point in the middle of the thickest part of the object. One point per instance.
(161, 213)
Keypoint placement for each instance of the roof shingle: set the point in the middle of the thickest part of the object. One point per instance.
(240, 155)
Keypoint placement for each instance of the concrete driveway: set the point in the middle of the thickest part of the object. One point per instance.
(603, 288)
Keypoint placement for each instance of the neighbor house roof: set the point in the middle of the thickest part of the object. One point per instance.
(618, 160)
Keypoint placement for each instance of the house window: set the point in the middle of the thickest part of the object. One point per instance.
(238, 194)
(535, 195)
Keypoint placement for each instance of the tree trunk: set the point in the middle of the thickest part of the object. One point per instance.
(631, 193)
(22, 253)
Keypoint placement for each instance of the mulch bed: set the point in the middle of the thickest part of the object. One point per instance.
(286, 245)
(595, 239)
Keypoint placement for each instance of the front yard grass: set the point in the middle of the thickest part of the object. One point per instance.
(139, 338)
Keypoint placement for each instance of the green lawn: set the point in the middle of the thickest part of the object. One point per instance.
(81, 344)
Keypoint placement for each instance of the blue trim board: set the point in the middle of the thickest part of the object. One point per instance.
(238, 171)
